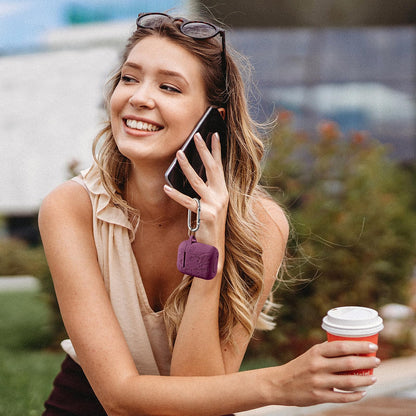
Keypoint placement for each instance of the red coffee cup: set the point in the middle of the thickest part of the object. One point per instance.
(353, 323)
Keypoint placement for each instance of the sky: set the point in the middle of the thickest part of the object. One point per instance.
(23, 23)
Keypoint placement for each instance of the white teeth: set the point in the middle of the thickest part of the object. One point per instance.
(140, 125)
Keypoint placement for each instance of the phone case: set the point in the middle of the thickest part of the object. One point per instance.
(197, 259)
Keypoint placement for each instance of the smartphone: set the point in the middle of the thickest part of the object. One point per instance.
(211, 122)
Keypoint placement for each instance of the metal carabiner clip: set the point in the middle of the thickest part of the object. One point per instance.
(198, 217)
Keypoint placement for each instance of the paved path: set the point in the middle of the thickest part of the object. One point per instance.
(379, 406)
(16, 283)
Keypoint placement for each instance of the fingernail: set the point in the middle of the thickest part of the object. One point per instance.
(373, 379)
(217, 136)
(180, 155)
(378, 361)
(198, 137)
(363, 393)
(373, 347)
(167, 188)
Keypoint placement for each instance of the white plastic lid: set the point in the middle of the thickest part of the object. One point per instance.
(352, 321)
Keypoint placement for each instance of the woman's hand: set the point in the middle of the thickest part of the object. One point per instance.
(311, 378)
(198, 349)
(213, 193)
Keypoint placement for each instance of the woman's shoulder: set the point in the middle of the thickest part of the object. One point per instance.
(273, 235)
(271, 215)
(70, 199)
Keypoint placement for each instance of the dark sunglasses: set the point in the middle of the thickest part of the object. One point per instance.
(192, 28)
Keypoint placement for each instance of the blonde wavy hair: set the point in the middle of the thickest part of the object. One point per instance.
(242, 280)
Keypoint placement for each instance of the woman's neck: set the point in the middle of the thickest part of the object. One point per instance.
(144, 192)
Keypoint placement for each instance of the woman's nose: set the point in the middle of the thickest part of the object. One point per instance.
(142, 97)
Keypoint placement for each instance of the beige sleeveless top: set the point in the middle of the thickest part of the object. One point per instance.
(144, 329)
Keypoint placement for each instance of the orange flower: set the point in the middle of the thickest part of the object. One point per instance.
(358, 137)
(284, 116)
(329, 130)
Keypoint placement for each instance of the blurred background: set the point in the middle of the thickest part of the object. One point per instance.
(340, 76)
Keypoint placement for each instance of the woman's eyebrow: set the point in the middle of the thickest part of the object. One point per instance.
(167, 72)
(133, 65)
(174, 74)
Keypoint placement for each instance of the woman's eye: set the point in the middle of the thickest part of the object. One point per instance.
(170, 88)
(127, 79)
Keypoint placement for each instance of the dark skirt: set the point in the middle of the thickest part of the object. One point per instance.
(72, 394)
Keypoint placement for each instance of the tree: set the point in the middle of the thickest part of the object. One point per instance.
(286, 13)
(353, 240)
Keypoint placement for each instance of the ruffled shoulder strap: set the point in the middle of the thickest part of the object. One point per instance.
(104, 208)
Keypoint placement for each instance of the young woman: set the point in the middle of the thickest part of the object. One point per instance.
(145, 339)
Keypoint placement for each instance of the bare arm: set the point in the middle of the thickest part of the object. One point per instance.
(198, 349)
(66, 226)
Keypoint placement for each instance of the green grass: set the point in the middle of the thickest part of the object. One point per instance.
(254, 363)
(26, 369)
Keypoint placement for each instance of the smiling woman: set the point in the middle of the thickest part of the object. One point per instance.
(145, 338)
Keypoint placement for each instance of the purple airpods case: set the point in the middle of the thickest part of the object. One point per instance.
(197, 259)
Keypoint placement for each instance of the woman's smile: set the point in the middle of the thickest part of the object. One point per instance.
(141, 125)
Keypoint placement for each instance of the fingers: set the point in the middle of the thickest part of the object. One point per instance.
(213, 167)
(211, 160)
(348, 383)
(340, 348)
(216, 147)
(182, 199)
(203, 150)
(348, 366)
(329, 372)
(348, 356)
(194, 179)
(336, 388)
(339, 397)
(353, 364)
(334, 371)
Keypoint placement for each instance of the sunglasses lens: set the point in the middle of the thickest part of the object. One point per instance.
(199, 30)
(152, 20)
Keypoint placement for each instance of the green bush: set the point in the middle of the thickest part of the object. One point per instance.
(18, 258)
(353, 240)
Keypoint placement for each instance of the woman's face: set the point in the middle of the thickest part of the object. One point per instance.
(158, 101)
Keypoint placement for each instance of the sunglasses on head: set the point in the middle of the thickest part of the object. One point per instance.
(194, 29)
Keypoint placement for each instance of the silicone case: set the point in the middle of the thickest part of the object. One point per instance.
(197, 259)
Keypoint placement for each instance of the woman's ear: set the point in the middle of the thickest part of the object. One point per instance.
(221, 110)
